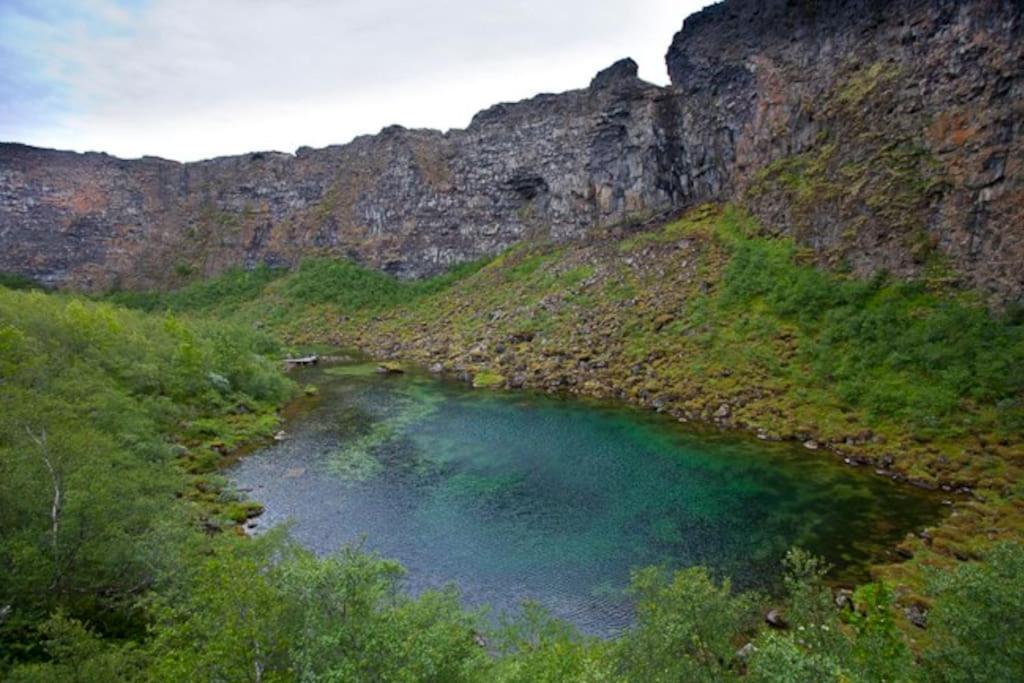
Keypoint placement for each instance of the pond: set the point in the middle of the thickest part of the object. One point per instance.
(515, 496)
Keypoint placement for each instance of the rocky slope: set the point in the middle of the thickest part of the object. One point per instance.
(884, 135)
(707, 321)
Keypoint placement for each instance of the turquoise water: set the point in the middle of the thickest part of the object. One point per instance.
(516, 496)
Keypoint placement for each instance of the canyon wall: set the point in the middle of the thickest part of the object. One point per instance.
(882, 135)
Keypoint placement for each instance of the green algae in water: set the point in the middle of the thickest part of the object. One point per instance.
(515, 496)
(357, 460)
(358, 370)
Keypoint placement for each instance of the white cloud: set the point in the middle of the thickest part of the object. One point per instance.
(188, 79)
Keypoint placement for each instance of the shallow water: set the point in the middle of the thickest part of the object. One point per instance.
(517, 496)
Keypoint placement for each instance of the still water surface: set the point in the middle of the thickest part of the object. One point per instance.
(517, 496)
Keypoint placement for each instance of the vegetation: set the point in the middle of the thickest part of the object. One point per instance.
(890, 347)
(96, 405)
(233, 288)
(266, 610)
(832, 356)
(315, 281)
(707, 318)
(15, 281)
(114, 422)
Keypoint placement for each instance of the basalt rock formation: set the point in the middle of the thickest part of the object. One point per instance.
(882, 135)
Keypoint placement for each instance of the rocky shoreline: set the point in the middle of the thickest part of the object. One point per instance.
(561, 384)
(620, 319)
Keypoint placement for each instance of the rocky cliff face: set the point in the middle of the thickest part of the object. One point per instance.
(883, 134)
(411, 202)
(880, 134)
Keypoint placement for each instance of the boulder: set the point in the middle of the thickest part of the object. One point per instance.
(390, 368)
(775, 620)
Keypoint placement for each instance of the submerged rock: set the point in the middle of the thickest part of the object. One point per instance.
(389, 368)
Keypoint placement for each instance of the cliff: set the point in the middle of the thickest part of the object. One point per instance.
(882, 135)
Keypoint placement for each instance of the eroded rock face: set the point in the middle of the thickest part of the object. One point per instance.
(884, 135)
(411, 202)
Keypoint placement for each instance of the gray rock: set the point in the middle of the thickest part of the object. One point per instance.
(844, 598)
(916, 615)
(622, 71)
(753, 81)
(775, 620)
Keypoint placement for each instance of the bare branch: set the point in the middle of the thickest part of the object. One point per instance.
(57, 502)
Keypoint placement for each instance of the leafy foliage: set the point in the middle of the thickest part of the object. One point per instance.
(978, 619)
(91, 396)
(686, 623)
(15, 281)
(890, 347)
(818, 646)
(232, 288)
(341, 283)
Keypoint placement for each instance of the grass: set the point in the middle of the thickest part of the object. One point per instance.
(341, 284)
(890, 347)
(231, 289)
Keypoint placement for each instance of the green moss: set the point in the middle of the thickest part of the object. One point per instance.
(240, 511)
(222, 220)
(619, 290)
(526, 266)
(328, 205)
(686, 226)
(859, 86)
(488, 380)
(184, 269)
(360, 370)
(886, 183)
(575, 276)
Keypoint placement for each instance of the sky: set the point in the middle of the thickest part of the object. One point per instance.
(194, 79)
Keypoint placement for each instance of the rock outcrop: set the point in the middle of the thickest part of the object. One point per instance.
(884, 135)
(412, 202)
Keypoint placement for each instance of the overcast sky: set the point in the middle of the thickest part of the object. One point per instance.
(191, 79)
